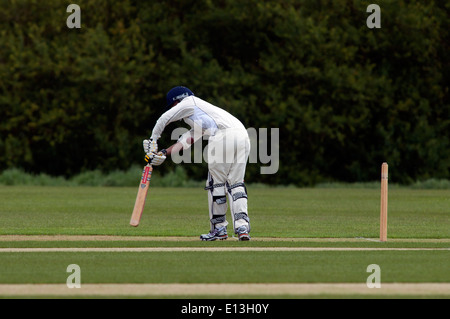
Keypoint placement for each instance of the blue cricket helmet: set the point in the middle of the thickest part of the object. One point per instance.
(177, 94)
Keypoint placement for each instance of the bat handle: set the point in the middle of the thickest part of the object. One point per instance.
(148, 160)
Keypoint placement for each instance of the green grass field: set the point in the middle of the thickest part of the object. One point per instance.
(288, 220)
(274, 212)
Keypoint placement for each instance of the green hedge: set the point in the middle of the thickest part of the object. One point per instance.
(345, 97)
(175, 178)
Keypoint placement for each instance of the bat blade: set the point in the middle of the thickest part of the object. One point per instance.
(141, 196)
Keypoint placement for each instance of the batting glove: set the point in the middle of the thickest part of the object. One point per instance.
(150, 146)
(155, 159)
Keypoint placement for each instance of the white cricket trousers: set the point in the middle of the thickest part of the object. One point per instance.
(228, 152)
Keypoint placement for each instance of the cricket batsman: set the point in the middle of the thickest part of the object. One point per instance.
(228, 151)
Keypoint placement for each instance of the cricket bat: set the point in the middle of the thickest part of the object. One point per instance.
(141, 196)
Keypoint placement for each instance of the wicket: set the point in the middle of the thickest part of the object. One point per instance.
(384, 202)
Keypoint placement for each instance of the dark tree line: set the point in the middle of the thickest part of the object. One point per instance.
(345, 97)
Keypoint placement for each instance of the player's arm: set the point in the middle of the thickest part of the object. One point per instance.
(178, 146)
(184, 142)
(176, 113)
(175, 148)
(160, 157)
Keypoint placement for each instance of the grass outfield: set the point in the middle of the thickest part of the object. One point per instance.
(292, 222)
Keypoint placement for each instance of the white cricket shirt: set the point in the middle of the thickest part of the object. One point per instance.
(203, 118)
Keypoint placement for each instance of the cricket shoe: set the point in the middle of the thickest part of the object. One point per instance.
(217, 233)
(242, 233)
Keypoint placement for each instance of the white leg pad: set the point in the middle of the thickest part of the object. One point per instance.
(217, 203)
(237, 195)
